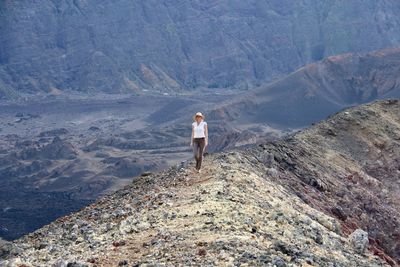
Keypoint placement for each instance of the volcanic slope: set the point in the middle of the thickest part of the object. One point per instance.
(318, 90)
(291, 202)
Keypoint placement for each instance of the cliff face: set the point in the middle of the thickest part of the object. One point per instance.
(287, 203)
(126, 46)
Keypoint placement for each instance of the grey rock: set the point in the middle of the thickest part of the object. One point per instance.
(129, 225)
(60, 263)
(77, 264)
(272, 172)
(13, 263)
(279, 262)
(5, 248)
(123, 263)
(318, 238)
(359, 240)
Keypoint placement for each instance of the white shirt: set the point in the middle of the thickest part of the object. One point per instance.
(199, 130)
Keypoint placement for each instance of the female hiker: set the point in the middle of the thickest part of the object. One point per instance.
(199, 139)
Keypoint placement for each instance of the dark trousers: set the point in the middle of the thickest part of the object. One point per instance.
(198, 148)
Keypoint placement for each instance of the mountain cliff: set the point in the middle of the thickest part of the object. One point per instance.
(325, 196)
(168, 46)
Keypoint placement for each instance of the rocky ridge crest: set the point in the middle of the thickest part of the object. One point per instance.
(293, 202)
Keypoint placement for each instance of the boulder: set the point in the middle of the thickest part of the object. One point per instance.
(359, 240)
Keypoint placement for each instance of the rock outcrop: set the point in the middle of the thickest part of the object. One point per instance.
(127, 46)
(359, 240)
(292, 202)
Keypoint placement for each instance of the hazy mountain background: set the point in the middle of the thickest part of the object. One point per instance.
(128, 46)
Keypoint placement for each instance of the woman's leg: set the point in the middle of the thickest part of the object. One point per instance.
(201, 149)
(196, 148)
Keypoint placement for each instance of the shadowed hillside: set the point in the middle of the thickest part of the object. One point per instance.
(317, 90)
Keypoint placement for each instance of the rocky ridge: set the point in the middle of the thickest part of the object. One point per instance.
(301, 201)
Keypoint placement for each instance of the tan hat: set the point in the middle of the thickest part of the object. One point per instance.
(197, 115)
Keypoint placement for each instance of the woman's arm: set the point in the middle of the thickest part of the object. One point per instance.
(191, 139)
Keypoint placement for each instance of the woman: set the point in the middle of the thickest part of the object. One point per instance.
(199, 138)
